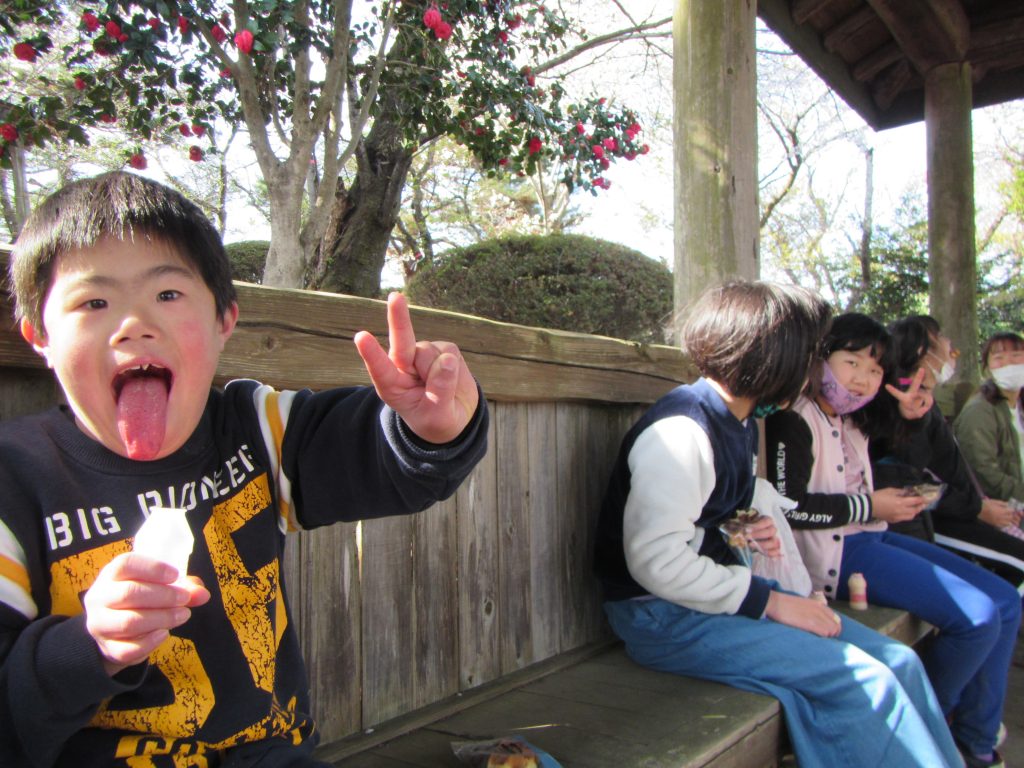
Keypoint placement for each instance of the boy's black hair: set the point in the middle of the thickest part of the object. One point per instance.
(756, 338)
(988, 388)
(119, 205)
(912, 338)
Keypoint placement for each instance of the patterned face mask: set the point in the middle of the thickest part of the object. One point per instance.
(841, 399)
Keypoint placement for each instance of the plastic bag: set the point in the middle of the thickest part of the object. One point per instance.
(504, 752)
(788, 569)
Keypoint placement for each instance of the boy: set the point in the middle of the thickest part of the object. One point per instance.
(112, 658)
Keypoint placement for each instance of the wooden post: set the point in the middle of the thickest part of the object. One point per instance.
(715, 132)
(952, 272)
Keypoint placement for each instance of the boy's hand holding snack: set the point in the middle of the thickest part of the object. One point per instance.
(428, 384)
(133, 604)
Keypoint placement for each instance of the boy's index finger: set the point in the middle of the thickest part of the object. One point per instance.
(401, 336)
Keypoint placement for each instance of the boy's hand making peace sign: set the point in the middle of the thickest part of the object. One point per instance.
(427, 383)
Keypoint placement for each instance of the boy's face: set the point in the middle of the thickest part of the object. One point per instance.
(132, 333)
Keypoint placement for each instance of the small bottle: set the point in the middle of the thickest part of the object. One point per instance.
(858, 587)
(165, 536)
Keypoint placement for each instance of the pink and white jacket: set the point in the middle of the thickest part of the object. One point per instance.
(821, 462)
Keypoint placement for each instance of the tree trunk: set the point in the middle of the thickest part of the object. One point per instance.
(287, 261)
(355, 245)
(952, 270)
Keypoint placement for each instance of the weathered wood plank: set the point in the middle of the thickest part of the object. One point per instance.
(479, 590)
(293, 339)
(330, 626)
(388, 618)
(436, 603)
(515, 600)
(545, 532)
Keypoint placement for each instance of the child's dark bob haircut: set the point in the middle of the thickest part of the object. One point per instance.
(854, 331)
(756, 338)
(119, 205)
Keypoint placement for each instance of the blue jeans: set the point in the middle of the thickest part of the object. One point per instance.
(861, 699)
(976, 612)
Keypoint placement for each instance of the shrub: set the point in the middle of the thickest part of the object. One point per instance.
(248, 258)
(565, 282)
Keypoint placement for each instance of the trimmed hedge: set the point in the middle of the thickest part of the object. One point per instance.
(565, 282)
(248, 258)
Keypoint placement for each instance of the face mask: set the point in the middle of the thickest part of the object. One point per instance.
(945, 373)
(841, 399)
(1010, 377)
(764, 410)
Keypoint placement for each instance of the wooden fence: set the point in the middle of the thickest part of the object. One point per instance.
(399, 613)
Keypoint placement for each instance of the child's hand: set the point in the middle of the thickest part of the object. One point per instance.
(804, 613)
(427, 383)
(913, 403)
(133, 604)
(998, 513)
(764, 536)
(895, 505)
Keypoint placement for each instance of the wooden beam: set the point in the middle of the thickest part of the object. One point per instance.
(841, 33)
(866, 69)
(889, 85)
(930, 32)
(805, 9)
(831, 68)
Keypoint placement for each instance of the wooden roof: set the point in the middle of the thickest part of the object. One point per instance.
(873, 53)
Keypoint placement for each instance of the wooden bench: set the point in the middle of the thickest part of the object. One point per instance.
(595, 708)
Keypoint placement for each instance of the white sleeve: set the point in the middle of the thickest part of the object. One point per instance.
(672, 475)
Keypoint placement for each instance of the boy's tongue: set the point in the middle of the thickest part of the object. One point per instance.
(142, 416)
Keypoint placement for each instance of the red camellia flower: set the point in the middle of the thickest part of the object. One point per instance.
(184, 130)
(113, 29)
(123, 38)
(503, 35)
(218, 33)
(610, 144)
(182, 24)
(535, 145)
(602, 183)
(633, 130)
(443, 30)
(8, 132)
(195, 154)
(503, 161)
(198, 130)
(644, 149)
(244, 41)
(605, 163)
(79, 84)
(154, 23)
(580, 129)
(515, 21)
(598, 151)
(90, 21)
(107, 118)
(226, 73)
(432, 17)
(24, 52)
(137, 161)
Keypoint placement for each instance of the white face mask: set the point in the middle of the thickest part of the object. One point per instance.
(944, 374)
(1009, 378)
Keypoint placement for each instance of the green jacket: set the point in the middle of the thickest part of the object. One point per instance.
(989, 442)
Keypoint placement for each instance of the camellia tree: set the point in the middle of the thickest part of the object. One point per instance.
(315, 89)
